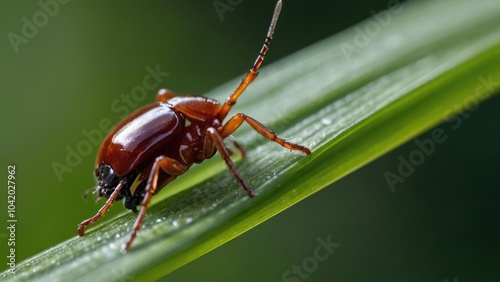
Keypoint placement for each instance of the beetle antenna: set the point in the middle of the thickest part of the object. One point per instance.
(253, 72)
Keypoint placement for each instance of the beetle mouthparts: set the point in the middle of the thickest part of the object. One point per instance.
(94, 192)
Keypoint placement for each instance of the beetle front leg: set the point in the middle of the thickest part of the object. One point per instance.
(213, 138)
(170, 166)
(102, 210)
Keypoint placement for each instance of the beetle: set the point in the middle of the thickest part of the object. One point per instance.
(160, 141)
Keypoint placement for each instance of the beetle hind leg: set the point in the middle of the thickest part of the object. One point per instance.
(164, 95)
(238, 147)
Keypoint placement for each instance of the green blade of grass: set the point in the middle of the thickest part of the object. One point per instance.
(349, 100)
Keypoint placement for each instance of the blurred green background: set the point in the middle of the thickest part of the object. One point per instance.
(441, 223)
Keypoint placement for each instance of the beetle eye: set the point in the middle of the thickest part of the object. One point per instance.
(96, 172)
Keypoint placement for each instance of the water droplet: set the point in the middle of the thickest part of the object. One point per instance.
(326, 121)
(175, 223)
(189, 220)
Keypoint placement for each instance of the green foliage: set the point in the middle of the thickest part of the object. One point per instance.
(349, 103)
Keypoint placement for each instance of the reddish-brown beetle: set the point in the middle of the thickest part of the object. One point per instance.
(160, 141)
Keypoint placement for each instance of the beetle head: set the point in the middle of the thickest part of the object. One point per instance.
(106, 180)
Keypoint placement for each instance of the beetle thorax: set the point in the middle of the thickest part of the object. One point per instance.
(191, 146)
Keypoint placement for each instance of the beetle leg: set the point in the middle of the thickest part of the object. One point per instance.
(101, 211)
(165, 94)
(170, 166)
(214, 138)
(235, 122)
(238, 147)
